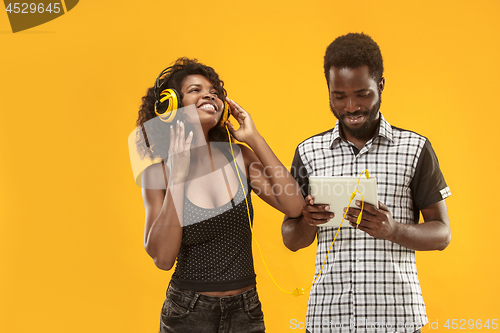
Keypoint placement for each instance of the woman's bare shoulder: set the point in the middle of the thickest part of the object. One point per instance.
(153, 177)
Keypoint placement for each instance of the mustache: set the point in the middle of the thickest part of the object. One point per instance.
(355, 114)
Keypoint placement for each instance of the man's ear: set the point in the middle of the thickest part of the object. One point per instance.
(381, 85)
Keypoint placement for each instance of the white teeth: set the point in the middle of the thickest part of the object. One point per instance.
(207, 107)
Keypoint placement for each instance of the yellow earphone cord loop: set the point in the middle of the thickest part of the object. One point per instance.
(357, 222)
(250, 219)
(298, 291)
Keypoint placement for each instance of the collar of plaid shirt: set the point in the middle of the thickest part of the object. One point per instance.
(383, 130)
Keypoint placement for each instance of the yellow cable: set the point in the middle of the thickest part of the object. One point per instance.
(250, 219)
(343, 218)
(297, 291)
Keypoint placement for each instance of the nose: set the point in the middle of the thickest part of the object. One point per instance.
(351, 105)
(209, 95)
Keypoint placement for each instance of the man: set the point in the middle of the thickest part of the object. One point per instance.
(369, 282)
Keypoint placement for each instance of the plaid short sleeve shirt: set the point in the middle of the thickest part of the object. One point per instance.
(368, 284)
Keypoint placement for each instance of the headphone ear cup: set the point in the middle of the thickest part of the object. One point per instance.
(169, 102)
(225, 114)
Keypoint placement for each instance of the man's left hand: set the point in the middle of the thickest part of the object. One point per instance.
(376, 222)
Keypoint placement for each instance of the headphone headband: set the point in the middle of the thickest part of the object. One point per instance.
(157, 82)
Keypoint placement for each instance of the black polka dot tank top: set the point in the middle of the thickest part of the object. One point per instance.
(216, 253)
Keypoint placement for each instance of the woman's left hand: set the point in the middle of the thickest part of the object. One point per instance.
(247, 131)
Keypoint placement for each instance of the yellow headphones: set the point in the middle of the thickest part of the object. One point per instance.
(168, 101)
(168, 98)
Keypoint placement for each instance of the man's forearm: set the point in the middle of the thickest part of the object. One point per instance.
(433, 234)
(427, 236)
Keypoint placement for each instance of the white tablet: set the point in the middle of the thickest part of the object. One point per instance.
(337, 191)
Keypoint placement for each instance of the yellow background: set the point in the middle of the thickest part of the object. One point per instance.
(71, 231)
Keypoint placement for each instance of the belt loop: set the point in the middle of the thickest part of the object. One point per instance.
(193, 301)
(245, 301)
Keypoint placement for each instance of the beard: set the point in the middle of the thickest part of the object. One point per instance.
(360, 132)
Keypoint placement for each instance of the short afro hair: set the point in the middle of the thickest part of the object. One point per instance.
(352, 51)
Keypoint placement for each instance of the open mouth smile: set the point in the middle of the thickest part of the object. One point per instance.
(209, 107)
(354, 119)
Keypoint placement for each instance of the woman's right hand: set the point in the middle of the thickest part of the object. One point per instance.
(178, 154)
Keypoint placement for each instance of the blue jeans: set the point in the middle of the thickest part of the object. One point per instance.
(187, 311)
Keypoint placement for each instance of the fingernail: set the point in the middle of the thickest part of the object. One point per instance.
(327, 208)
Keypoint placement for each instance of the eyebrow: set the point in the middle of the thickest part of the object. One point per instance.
(356, 92)
(198, 85)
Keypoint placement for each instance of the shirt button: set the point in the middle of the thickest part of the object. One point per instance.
(357, 232)
(357, 288)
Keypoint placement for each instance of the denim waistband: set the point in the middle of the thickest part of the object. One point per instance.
(191, 299)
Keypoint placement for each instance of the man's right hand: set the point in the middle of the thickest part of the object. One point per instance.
(300, 232)
(315, 215)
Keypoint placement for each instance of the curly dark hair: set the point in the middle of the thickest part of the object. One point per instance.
(352, 51)
(157, 131)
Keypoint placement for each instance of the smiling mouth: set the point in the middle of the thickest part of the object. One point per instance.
(208, 107)
(353, 119)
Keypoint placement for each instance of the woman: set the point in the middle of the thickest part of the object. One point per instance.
(201, 215)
